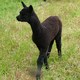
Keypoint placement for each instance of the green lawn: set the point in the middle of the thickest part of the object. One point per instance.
(18, 54)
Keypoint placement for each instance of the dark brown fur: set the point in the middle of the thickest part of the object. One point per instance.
(44, 34)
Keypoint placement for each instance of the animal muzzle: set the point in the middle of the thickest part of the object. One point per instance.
(18, 18)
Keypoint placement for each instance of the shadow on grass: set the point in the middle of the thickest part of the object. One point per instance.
(31, 71)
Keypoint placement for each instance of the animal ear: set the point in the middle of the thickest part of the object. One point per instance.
(30, 8)
(23, 4)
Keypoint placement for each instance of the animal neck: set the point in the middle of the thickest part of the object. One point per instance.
(35, 24)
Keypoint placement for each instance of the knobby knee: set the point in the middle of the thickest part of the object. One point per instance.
(40, 60)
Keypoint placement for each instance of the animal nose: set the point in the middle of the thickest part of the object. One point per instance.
(17, 17)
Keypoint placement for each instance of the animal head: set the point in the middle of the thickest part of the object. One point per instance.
(25, 14)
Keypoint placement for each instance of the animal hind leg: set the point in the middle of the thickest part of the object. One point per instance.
(58, 44)
(48, 54)
(46, 62)
(49, 49)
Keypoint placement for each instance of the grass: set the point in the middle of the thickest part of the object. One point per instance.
(18, 54)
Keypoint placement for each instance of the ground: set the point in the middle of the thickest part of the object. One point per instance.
(18, 54)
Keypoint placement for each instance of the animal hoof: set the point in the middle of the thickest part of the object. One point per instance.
(60, 56)
(47, 67)
(48, 54)
(37, 78)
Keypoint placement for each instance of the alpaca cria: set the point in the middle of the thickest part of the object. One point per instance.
(43, 35)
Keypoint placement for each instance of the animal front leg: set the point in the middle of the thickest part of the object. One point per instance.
(39, 66)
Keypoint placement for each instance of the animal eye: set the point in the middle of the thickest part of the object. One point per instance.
(22, 14)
